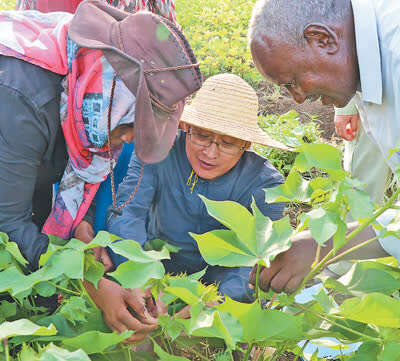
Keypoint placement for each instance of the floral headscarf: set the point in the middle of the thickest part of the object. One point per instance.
(41, 39)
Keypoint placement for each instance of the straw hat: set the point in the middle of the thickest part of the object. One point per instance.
(226, 104)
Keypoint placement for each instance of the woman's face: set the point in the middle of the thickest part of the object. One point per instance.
(122, 134)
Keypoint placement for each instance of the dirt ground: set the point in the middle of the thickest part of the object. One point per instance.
(274, 101)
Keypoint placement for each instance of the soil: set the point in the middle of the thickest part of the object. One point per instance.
(274, 101)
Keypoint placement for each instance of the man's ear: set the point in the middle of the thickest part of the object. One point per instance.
(247, 145)
(322, 36)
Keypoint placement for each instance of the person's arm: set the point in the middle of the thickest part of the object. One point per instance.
(23, 142)
(289, 268)
(347, 121)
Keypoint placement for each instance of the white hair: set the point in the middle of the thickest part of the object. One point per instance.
(285, 20)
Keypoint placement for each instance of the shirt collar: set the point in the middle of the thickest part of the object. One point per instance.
(368, 51)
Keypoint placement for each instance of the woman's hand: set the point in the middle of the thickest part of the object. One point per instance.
(85, 233)
(124, 309)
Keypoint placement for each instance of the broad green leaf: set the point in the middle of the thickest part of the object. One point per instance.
(24, 327)
(213, 323)
(322, 225)
(45, 289)
(27, 354)
(263, 325)
(295, 188)
(191, 291)
(374, 308)
(170, 326)
(222, 247)
(360, 203)
(15, 252)
(94, 271)
(74, 310)
(325, 301)
(5, 259)
(7, 309)
(54, 353)
(73, 268)
(95, 341)
(235, 217)
(272, 237)
(132, 274)
(368, 351)
(390, 352)
(322, 156)
(134, 252)
(362, 279)
(164, 356)
(219, 248)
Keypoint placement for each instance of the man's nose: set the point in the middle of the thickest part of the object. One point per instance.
(298, 97)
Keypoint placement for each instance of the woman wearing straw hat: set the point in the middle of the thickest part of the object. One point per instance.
(211, 158)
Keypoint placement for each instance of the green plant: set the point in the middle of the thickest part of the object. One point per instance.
(75, 331)
(7, 4)
(217, 31)
(289, 130)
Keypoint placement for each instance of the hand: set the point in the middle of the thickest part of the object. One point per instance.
(85, 233)
(289, 268)
(117, 305)
(347, 126)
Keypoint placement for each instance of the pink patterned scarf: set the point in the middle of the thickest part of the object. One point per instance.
(41, 39)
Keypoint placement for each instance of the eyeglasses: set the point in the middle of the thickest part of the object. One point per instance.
(206, 141)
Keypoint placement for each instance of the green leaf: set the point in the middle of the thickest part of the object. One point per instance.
(24, 327)
(322, 224)
(322, 156)
(95, 341)
(164, 356)
(170, 326)
(374, 308)
(362, 279)
(213, 323)
(134, 252)
(74, 310)
(295, 188)
(390, 352)
(135, 274)
(45, 289)
(7, 309)
(235, 217)
(360, 203)
(263, 325)
(15, 252)
(219, 248)
(224, 248)
(54, 353)
(94, 270)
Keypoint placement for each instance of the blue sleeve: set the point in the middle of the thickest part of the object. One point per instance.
(269, 177)
(132, 223)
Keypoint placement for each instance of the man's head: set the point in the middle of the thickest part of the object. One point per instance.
(221, 123)
(308, 47)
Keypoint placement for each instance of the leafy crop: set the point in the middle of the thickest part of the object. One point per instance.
(368, 313)
(287, 129)
(217, 31)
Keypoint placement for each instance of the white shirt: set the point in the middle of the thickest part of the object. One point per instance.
(377, 30)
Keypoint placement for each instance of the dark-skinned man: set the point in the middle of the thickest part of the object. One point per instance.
(332, 50)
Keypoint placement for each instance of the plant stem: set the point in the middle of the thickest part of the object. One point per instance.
(374, 339)
(317, 256)
(248, 352)
(355, 248)
(86, 294)
(65, 290)
(314, 271)
(6, 350)
(257, 288)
